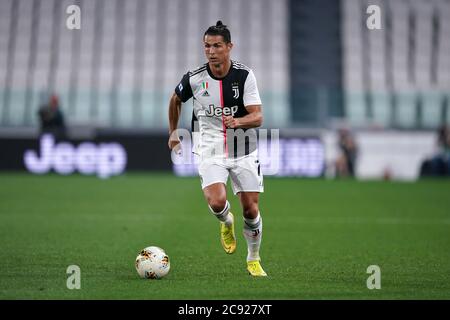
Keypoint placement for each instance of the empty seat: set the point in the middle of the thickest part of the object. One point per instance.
(355, 108)
(406, 110)
(381, 109)
(432, 110)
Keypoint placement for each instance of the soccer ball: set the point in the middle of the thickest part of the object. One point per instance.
(152, 263)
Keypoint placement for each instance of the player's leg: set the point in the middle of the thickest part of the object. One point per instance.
(247, 183)
(216, 197)
(214, 178)
(253, 226)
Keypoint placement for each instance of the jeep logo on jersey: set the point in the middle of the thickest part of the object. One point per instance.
(219, 111)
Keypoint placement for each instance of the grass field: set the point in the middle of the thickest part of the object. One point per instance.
(319, 238)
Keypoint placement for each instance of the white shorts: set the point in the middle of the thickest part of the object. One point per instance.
(245, 173)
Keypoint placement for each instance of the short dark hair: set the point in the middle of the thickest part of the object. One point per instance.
(219, 30)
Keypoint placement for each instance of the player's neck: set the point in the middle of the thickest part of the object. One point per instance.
(220, 70)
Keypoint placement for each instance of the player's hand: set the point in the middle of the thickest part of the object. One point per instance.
(231, 122)
(174, 143)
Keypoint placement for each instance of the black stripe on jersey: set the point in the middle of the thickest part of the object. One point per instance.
(198, 70)
(237, 62)
(233, 95)
(239, 65)
(194, 122)
(199, 67)
(241, 68)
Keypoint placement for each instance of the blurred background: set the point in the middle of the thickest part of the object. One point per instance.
(349, 101)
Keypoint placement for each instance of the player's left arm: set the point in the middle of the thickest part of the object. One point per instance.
(253, 119)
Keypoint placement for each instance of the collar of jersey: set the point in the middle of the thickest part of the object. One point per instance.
(214, 77)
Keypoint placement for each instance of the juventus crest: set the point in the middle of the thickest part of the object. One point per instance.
(236, 91)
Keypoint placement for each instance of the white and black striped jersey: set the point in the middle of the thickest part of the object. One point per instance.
(215, 98)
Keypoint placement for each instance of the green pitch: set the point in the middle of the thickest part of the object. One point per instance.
(319, 238)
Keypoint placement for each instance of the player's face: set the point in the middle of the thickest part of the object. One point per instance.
(216, 50)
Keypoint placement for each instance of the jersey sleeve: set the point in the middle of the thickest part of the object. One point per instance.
(251, 93)
(183, 89)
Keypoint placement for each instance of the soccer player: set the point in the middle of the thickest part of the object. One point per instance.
(226, 107)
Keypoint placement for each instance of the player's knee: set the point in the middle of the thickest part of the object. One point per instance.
(251, 210)
(217, 204)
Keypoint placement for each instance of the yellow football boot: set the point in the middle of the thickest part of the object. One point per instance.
(255, 269)
(227, 237)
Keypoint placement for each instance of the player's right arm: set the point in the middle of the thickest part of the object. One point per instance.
(174, 115)
(183, 92)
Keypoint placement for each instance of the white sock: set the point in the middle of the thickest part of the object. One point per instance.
(223, 215)
(253, 235)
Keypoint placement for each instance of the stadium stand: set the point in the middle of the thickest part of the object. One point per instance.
(119, 69)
